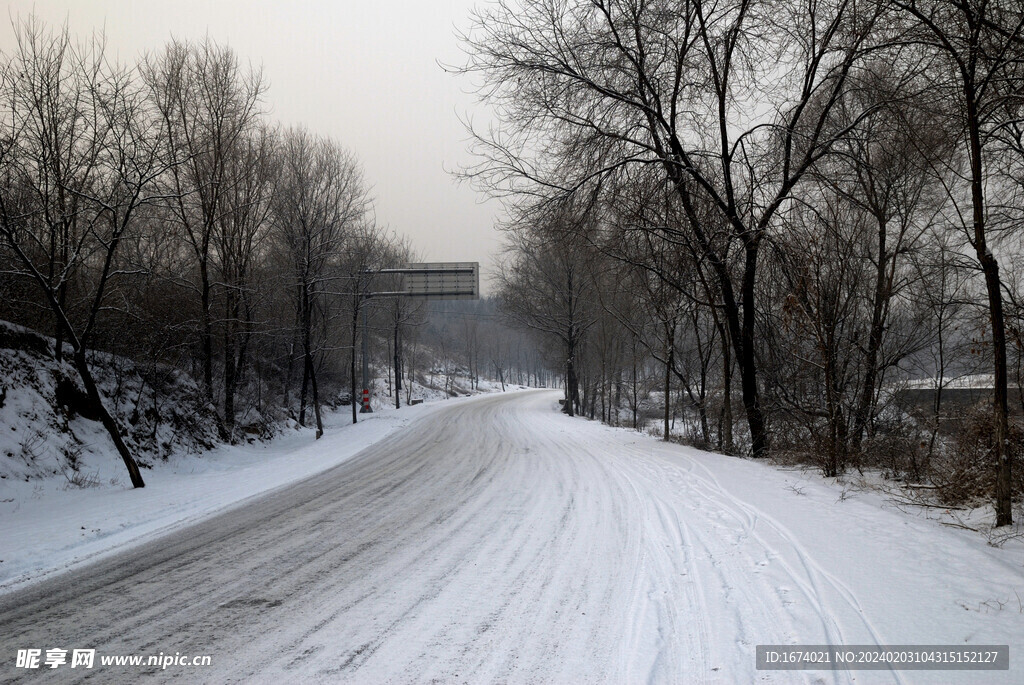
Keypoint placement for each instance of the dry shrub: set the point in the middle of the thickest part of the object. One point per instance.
(966, 473)
(899, 455)
(18, 338)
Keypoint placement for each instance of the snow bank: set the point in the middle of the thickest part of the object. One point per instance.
(64, 494)
(48, 427)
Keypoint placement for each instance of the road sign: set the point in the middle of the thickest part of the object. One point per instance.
(441, 280)
(426, 281)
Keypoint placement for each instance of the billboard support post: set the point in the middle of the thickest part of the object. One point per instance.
(365, 400)
(425, 281)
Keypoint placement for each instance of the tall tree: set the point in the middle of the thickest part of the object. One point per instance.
(547, 288)
(978, 46)
(208, 105)
(318, 213)
(79, 159)
(731, 100)
(250, 183)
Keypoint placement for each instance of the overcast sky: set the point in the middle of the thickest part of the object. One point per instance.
(364, 72)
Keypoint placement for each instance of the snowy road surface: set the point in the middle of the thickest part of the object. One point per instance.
(498, 541)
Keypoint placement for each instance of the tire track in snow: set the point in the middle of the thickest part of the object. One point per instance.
(811, 566)
(494, 541)
(812, 579)
(724, 591)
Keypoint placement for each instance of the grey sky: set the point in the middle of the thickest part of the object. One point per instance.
(365, 73)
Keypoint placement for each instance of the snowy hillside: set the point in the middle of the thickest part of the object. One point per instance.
(49, 428)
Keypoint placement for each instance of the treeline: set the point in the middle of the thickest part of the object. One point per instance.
(770, 214)
(153, 210)
(474, 338)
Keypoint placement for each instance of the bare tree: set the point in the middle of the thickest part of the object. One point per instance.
(79, 159)
(369, 251)
(545, 287)
(730, 100)
(884, 169)
(250, 183)
(978, 46)
(318, 213)
(943, 293)
(208, 105)
(402, 313)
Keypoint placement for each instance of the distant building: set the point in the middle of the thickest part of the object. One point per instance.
(958, 395)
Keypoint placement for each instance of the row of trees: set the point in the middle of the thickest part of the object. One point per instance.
(473, 338)
(785, 206)
(153, 210)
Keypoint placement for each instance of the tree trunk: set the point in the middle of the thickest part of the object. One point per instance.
(207, 332)
(106, 419)
(727, 398)
(990, 268)
(303, 390)
(862, 419)
(356, 399)
(634, 389)
(740, 315)
(316, 394)
(291, 366)
(670, 362)
(1004, 482)
(310, 373)
(305, 333)
(229, 368)
(570, 382)
(59, 333)
(748, 361)
(940, 380)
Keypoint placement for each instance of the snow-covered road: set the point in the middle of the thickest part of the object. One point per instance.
(499, 541)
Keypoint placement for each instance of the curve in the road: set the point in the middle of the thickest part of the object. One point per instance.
(493, 541)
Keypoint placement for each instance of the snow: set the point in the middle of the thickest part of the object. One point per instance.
(494, 539)
(787, 557)
(51, 525)
(982, 381)
(65, 497)
(160, 410)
